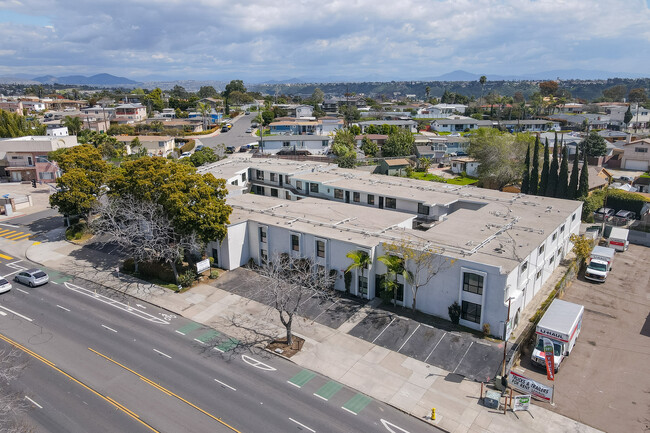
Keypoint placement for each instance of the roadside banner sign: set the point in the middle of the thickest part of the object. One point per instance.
(529, 386)
(522, 402)
(203, 265)
(550, 359)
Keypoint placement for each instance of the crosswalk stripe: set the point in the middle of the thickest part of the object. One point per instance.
(14, 235)
(5, 257)
(4, 231)
(8, 233)
(23, 236)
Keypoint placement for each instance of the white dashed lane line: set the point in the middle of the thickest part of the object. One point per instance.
(110, 329)
(17, 314)
(224, 384)
(33, 402)
(161, 353)
(63, 308)
(303, 426)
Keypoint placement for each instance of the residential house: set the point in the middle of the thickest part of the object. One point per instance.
(26, 158)
(570, 107)
(530, 125)
(99, 112)
(155, 145)
(409, 125)
(15, 107)
(455, 124)
(330, 125)
(187, 125)
(446, 110)
(303, 111)
(314, 144)
(378, 139)
(393, 167)
(130, 113)
(33, 105)
(214, 103)
(465, 164)
(636, 155)
(640, 118)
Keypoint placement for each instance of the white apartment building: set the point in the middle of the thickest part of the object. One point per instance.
(497, 246)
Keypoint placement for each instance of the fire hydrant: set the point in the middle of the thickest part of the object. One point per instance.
(433, 413)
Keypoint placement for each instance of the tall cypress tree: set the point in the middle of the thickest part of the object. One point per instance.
(534, 173)
(543, 180)
(525, 179)
(563, 178)
(573, 183)
(551, 188)
(583, 185)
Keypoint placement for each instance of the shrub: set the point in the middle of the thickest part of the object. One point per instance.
(187, 278)
(347, 278)
(75, 231)
(187, 146)
(214, 274)
(592, 203)
(454, 313)
(486, 329)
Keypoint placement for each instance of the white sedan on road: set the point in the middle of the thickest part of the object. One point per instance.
(5, 285)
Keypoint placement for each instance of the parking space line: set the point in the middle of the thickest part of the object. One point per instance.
(319, 314)
(382, 331)
(407, 340)
(434, 347)
(464, 355)
(21, 290)
(303, 302)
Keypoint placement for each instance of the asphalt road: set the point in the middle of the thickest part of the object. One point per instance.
(165, 371)
(237, 135)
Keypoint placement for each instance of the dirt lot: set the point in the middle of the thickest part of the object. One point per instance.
(605, 383)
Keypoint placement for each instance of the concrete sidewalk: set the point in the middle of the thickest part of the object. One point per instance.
(410, 385)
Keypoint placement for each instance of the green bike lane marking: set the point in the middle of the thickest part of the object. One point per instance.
(192, 326)
(356, 404)
(328, 390)
(227, 345)
(207, 337)
(300, 379)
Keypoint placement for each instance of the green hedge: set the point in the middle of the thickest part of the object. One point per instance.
(188, 146)
(619, 200)
(159, 271)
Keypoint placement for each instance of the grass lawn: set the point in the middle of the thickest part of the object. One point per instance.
(462, 181)
(433, 178)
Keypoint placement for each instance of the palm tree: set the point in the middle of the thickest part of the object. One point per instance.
(482, 80)
(360, 261)
(427, 91)
(394, 268)
(73, 124)
(204, 109)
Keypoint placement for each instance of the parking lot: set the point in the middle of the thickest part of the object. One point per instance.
(605, 382)
(328, 312)
(461, 353)
(457, 352)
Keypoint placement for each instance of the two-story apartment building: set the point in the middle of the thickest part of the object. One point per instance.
(156, 145)
(408, 125)
(636, 155)
(130, 113)
(26, 157)
(495, 246)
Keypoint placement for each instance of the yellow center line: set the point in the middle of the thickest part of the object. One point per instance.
(15, 234)
(5, 257)
(166, 391)
(104, 397)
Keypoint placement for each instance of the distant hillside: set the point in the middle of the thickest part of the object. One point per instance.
(95, 80)
(17, 80)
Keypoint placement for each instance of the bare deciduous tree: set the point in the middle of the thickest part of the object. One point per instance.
(422, 264)
(290, 281)
(143, 230)
(12, 405)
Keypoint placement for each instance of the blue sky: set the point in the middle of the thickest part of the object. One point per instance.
(261, 40)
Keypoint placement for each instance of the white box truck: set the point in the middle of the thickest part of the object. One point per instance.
(561, 324)
(618, 239)
(600, 263)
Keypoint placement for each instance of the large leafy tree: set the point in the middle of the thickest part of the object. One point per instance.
(551, 188)
(344, 148)
(207, 92)
(534, 173)
(500, 155)
(14, 125)
(594, 145)
(398, 143)
(81, 184)
(543, 179)
(563, 178)
(369, 147)
(194, 203)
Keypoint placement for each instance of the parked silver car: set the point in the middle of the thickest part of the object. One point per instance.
(5, 285)
(32, 277)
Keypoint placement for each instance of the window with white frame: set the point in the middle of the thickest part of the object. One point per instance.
(473, 283)
(263, 234)
(295, 243)
(541, 250)
(471, 312)
(371, 199)
(338, 193)
(320, 249)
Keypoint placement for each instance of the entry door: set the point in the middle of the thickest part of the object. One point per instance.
(347, 196)
(215, 256)
(381, 202)
(280, 180)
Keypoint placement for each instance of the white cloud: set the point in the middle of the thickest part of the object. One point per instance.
(260, 39)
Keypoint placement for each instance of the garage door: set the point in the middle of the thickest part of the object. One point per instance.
(635, 164)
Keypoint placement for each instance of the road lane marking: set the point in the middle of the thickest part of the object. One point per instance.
(9, 225)
(357, 403)
(14, 235)
(192, 326)
(7, 233)
(166, 391)
(116, 304)
(21, 290)
(2, 313)
(63, 308)
(464, 355)
(407, 340)
(390, 426)
(98, 394)
(302, 425)
(33, 402)
(207, 337)
(328, 390)
(54, 282)
(382, 331)
(257, 364)
(5, 257)
(225, 384)
(110, 329)
(434, 347)
(17, 314)
(28, 235)
(161, 353)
